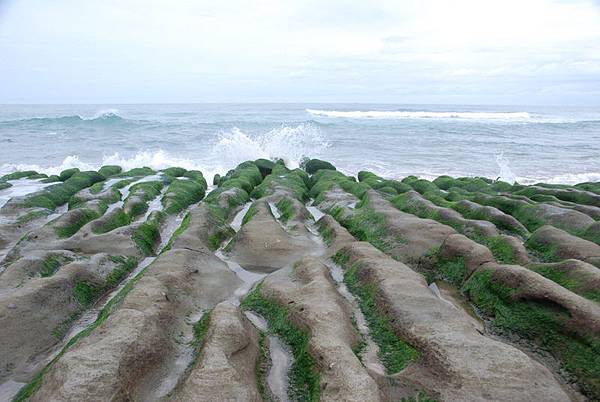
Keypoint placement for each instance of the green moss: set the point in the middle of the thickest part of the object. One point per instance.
(245, 176)
(293, 180)
(147, 235)
(249, 214)
(18, 175)
(545, 324)
(423, 186)
(326, 234)
(286, 209)
(31, 215)
(392, 187)
(265, 166)
(4, 186)
(578, 197)
(452, 270)
(51, 264)
(501, 249)
(303, 376)
(143, 193)
(174, 171)
(123, 183)
(324, 180)
(394, 352)
(86, 292)
(124, 266)
(96, 187)
(545, 252)
(28, 390)
(38, 176)
(84, 215)
(566, 279)
(219, 229)
(261, 369)
(59, 194)
(182, 193)
(117, 219)
(200, 330)
(313, 165)
(109, 170)
(67, 173)
(51, 179)
(143, 171)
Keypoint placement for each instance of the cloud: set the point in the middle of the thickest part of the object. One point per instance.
(383, 50)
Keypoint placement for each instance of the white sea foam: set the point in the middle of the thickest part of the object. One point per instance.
(505, 173)
(289, 143)
(377, 114)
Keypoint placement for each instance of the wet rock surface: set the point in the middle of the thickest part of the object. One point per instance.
(297, 284)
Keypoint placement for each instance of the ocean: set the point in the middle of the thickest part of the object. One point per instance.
(516, 143)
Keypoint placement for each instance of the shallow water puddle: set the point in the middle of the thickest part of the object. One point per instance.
(125, 190)
(369, 355)
(20, 188)
(236, 223)
(274, 210)
(315, 212)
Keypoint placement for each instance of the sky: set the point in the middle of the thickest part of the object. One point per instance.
(522, 52)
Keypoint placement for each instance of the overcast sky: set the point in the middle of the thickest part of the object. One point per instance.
(399, 51)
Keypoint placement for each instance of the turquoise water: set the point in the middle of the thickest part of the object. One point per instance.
(526, 144)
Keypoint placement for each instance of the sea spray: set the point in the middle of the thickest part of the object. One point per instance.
(505, 173)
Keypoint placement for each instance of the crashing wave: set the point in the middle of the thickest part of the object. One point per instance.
(377, 114)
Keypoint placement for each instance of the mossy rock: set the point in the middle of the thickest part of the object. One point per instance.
(294, 180)
(392, 187)
(324, 180)
(546, 324)
(182, 193)
(313, 165)
(174, 171)
(51, 179)
(147, 235)
(216, 179)
(4, 185)
(18, 175)
(265, 166)
(109, 170)
(143, 171)
(59, 194)
(66, 174)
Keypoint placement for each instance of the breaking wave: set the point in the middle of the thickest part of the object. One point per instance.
(289, 143)
(108, 116)
(230, 149)
(376, 114)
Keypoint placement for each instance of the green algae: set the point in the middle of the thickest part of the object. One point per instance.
(303, 376)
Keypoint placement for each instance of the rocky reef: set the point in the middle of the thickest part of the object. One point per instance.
(278, 284)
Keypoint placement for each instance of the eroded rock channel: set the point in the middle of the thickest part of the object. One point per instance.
(296, 285)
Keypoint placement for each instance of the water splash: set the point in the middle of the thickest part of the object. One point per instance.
(289, 143)
(505, 173)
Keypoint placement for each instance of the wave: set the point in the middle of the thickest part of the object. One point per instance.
(377, 114)
(288, 143)
(230, 149)
(108, 116)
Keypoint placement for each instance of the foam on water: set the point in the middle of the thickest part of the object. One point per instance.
(286, 142)
(535, 144)
(379, 114)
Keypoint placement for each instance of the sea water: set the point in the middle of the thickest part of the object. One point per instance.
(516, 143)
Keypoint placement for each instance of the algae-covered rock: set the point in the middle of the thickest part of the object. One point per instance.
(107, 171)
(313, 165)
